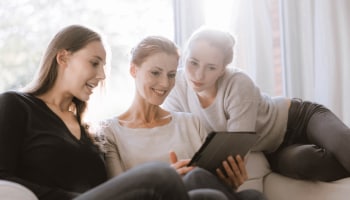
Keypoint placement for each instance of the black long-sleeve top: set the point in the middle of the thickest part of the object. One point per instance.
(38, 151)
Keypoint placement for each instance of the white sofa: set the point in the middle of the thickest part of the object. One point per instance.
(13, 191)
(275, 186)
(278, 187)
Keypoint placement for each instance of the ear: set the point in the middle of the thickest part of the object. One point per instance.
(61, 57)
(133, 69)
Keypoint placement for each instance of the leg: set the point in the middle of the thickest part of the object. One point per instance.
(199, 178)
(207, 194)
(150, 181)
(315, 145)
(251, 195)
(326, 130)
(308, 162)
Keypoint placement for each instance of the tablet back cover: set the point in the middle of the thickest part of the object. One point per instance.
(219, 145)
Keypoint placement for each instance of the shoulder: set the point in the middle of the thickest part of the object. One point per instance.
(235, 76)
(10, 95)
(107, 125)
(12, 98)
(236, 81)
(185, 119)
(182, 116)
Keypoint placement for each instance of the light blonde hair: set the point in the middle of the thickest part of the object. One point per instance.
(152, 45)
(217, 38)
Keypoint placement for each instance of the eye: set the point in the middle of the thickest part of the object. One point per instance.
(194, 63)
(211, 67)
(155, 73)
(95, 63)
(172, 75)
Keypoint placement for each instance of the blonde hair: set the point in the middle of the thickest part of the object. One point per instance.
(217, 38)
(152, 45)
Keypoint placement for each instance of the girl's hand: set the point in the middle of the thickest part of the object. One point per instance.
(235, 170)
(180, 165)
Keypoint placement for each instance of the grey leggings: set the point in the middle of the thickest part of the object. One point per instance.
(316, 145)
(151, 181)
(199, 179)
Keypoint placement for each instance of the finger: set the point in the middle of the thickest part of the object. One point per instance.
(234, 166)
(230, 173)
(221, 175)
(180, 164)
(239, 178)
(173, 157)
(242, 167)
(240, 174)
(184, 170)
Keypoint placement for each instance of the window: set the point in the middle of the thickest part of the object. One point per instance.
(27, 27)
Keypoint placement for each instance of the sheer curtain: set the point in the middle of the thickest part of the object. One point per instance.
(316, 52)
(189, 16)
(250, 23)
(297, 48)
(253, 30)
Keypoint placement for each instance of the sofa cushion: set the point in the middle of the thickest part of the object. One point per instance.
(278, 187)
(257, 168)
(14, 191)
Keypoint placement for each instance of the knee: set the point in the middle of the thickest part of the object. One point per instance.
(198, 174)
(251, 194)
(308, 162)
(156, 169)
(207, 194)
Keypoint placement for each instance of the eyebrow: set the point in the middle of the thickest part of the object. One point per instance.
(160, 69)
(99, 58)
(210, 64)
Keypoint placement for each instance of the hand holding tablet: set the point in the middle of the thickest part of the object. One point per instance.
(219, 145)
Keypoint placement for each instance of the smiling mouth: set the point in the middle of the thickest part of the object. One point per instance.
(159, 92)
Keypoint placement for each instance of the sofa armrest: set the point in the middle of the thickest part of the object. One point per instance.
(257, 167)
(14, 191)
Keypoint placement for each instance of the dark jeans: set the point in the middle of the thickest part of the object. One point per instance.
(200, 178)
(316, 145)
(151, 181)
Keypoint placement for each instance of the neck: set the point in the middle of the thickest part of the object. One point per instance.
(57, 101)
(207, 97)
(142, 116)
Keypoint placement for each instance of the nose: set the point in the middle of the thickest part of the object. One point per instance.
(199, 74)
(101, 75)
(164, 81)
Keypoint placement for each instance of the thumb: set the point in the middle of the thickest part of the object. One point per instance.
(173, 157)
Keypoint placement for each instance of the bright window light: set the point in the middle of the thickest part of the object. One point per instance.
(219, 13)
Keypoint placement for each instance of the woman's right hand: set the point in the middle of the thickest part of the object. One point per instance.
(179, 165)
(236, 173)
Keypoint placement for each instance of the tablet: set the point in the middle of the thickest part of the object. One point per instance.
(219, 145)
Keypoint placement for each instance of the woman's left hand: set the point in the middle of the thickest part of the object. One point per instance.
(180, 165)
(235, 170)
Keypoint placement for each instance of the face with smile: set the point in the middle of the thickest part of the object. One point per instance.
(204, 65)
(83, 69)
(155, 77)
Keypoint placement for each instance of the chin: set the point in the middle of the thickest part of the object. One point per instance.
(83, 98)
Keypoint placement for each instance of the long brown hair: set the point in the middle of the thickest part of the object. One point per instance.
(71, 38)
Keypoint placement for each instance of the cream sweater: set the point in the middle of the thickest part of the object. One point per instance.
(239, 106)
(128, 147)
